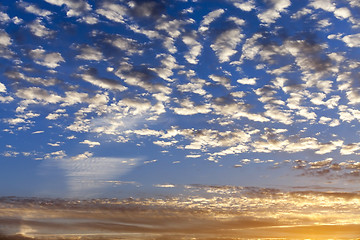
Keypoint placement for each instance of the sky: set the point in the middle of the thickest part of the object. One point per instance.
(181, 105)
(119, 98)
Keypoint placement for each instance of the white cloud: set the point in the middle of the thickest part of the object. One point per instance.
(352, 40)
(209, 18)
(348, 149)
(342, 13)
(106, 83)
(82, 156)
(278, 114)
(112, 11)
(326, 5)
(90, 53)
(225, 44)
(35, 93)
(50, 60)
(2, 87)
(130, 46)
(194, 49)
(245, 5)
(40, 30)
(90, 143)
(226, 82)
(5, 39)
(31, 8)
(164, 185)
(189, 108)
(271, 14)
(74, 8)
(247, 81)
(4, 17)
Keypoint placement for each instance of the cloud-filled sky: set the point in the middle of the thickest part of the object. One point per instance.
(117, 98)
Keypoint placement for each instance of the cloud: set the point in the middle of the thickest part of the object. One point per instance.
(299, 212)
(5, 39)
(2, 88)
(326, 5)
(89, 53)
(39, 94)
(50, 60)
(90, 143)
(91, 75)
(128, 45)
(18, 77)
(226, 82)
(276, 7)
(112, 11)
(225, 44)
(352, 40)
(32, 8)
(74, 8)
(82, 156)
(209, 18)
(38, 29)
(4, 17)
(348, 149)
(194, 48)
(142, 77)
(244, 5)
(247, 81)
(189, 108)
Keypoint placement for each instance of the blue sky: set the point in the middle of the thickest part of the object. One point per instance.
(122, 98)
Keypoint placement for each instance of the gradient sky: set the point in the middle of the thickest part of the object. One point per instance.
(115, 98)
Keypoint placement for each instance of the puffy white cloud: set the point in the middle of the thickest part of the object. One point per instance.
(4, 17)
(225, 44)
(276, 8)
(83, 156)
(90, 143)
(209, 18)
(90, 53)
(50, 60)
(130, 46)
(38, 29)
(247, 81)
(250, 48)
(74, 7)
(142, 78)
(245, 5)
(342, 13)
(2, 87)
(189, 108)
(112, 11)
(16, 76)
(91, 77)
(222, 81)
(195, 86)
(348, 149)
(194, 49)
(5, 39)
(56, 155)
(39, 94)
(278, 114)
(168, 63)
(352, 40)
(326, 5)
(32, 8)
